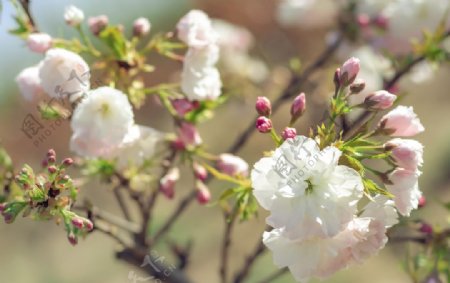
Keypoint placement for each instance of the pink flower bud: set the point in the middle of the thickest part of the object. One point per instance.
(263, 124)
(78, 222)
(422, 201)
(88, 225)
(178, 144)
(200, 172)
(298, 107)
(141, 26)
(189, 135)
(68, 161)
(2, 206)
(183, 106)
(8, 218)
(263, 106)
(39, 42)
(51, 159)
(97, 24)
(167, 183)
(52, 169)
(289, 133)
(381, 21)
(349, 71)
(406, 153)
(51, 152)
(394, 89)
(363, 20)
(401, 122)
(72, 239)
(426, 228)
(203, 193)
(380, 100)
(232, 165)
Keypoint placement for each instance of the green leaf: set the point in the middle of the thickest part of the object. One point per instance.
(352, 162)
(115, 40)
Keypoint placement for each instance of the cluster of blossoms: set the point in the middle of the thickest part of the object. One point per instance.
(200, 78)
(325, 212)
(47, 196)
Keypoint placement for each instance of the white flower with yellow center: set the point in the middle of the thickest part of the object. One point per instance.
(306, 191)
(101, 122)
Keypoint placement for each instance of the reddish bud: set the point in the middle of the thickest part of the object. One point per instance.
(298, 107)
(52, 169)
(8, 217)
(78, 222)
(203, 193)
(167, 183)
(2, 207)
(68, 161)
(263, 124)
(263, 106)
(178, 144)
(88, 225)
(381, 21)
(422, 201)
(183, 106)
(51, 152)
(289, 133)
(72, 239)
(51, 159)
(200, 172)
(426, 228)
(363, 20)
(189, 134)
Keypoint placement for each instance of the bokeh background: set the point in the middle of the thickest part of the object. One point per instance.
(39, 252)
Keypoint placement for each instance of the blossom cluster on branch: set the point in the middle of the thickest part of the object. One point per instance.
(332, 193)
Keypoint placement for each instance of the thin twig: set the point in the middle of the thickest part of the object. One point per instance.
(226, 244)
(177, 213)
(26, 8)
(294, 86)
(274, 276)
(249, 261)
(155, 193)
(365, 116)
(110, 218)
(121, 202)
(109, 231)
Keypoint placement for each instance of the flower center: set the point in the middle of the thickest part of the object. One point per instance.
(309, 189)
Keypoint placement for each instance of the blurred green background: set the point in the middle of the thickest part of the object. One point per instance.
(39, 252)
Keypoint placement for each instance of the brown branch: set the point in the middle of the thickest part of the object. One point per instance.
(184, 203)
(109, 218)
(365, 116)
(155, 193)
(122, 204)
(26, 8)
(226, 244)
(293, 88)
(249, 261)
(138, 257)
